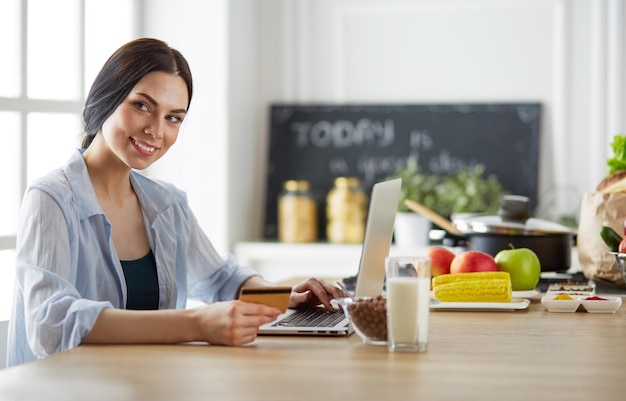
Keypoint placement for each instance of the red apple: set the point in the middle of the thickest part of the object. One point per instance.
(440, 259)
(473, 261)
(622, 246)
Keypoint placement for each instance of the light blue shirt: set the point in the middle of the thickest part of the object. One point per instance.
(67, 269)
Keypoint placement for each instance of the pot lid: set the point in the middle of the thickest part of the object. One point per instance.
(512, 219)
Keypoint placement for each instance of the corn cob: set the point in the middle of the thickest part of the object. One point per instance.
(473, 287)
(449, 278)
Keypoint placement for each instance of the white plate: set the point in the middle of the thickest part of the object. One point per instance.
(515, 304)
(527, 294)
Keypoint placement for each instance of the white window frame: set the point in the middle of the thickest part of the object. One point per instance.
(24, 105)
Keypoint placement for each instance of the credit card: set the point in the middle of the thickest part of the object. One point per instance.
(277, 297)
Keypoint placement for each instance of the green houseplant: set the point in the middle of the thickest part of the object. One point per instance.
(463, 191)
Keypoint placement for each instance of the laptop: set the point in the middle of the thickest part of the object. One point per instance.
(370, 277)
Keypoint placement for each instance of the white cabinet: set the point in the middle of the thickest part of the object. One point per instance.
(279, 261)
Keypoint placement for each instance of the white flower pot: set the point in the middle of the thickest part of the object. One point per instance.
(411, 230)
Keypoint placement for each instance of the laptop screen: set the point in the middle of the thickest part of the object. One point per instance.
(378, 235)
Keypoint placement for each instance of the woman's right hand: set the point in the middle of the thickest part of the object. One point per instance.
(232, 322)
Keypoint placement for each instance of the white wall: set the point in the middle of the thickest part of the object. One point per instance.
(567, 54)
(198, 161)
(246, 139)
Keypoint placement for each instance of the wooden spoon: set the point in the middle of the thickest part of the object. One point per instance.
(432, 216)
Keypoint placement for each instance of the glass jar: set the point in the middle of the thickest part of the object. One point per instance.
(346, 211)
(297, 213)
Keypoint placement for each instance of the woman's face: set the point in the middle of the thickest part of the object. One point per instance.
(145, 125)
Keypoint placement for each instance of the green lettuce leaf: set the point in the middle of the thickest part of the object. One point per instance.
(618, 161)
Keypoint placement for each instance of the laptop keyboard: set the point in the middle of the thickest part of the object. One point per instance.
(317, 317)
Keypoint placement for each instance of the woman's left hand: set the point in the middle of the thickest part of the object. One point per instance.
(313, 292)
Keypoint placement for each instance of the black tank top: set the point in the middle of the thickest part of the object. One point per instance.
(142, 284)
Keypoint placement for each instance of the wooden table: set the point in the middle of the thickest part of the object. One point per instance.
(524, 355)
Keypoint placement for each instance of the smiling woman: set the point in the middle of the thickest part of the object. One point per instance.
(97, 240)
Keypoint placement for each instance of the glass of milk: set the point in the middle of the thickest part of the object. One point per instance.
(408, 302)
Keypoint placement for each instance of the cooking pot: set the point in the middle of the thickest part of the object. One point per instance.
(512, 226)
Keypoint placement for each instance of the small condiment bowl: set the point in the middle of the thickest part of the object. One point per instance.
(604, 305)
(560, 305)
(368, 317)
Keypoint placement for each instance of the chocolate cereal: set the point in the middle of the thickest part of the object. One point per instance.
(369, 316)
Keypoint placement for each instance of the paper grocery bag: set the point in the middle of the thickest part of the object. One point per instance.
(593, 254)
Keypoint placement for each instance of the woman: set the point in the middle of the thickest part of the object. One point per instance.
(106, 255)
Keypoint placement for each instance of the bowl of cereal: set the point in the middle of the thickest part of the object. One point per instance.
(368, 317)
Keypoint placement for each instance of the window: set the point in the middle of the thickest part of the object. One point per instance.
(53, 52)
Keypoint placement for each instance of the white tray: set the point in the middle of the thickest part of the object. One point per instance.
(515, 304)
(527, 294)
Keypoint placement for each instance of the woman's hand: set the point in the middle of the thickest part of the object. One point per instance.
(313, 292)
(232, 322)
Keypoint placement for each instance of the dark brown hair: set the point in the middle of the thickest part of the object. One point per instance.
(120, 74)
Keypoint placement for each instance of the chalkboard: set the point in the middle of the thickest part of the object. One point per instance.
(321, 142)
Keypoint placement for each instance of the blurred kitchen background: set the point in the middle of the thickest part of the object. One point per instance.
(567, 55)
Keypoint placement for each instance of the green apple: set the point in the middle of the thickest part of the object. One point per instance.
(522, 264)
